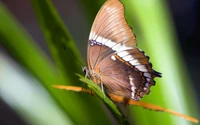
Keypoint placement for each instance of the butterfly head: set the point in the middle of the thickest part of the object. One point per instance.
(92, 75)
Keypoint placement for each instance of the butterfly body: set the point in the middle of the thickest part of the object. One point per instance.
(114, 61)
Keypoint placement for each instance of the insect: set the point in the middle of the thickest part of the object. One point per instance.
(114, 61)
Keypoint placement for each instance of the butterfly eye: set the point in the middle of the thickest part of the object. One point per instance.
(85, 70)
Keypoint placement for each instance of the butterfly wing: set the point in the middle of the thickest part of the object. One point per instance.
(127, 73)
(109, 30)
(113, 59)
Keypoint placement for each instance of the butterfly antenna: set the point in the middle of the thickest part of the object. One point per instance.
(74, 57)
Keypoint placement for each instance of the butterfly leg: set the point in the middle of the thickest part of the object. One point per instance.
(102, 89)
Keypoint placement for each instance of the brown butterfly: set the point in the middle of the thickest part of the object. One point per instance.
(116, 64)
(114, 61)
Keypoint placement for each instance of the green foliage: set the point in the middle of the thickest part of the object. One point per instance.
(30, 56)
(121, 119)
(151, 23)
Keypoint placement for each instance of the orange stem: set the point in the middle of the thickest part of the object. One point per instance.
(121, 99)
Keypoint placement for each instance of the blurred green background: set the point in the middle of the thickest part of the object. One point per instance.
(33, 39)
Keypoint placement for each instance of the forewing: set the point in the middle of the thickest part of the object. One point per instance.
(109, 30)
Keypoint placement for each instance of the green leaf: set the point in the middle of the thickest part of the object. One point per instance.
(105, 99)
(152, 24)
(20, 46)
(81, 109)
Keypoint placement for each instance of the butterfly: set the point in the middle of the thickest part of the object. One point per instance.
(114, 61)
(116, 64)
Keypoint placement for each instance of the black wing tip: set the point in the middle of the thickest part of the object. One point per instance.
(158, 74)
